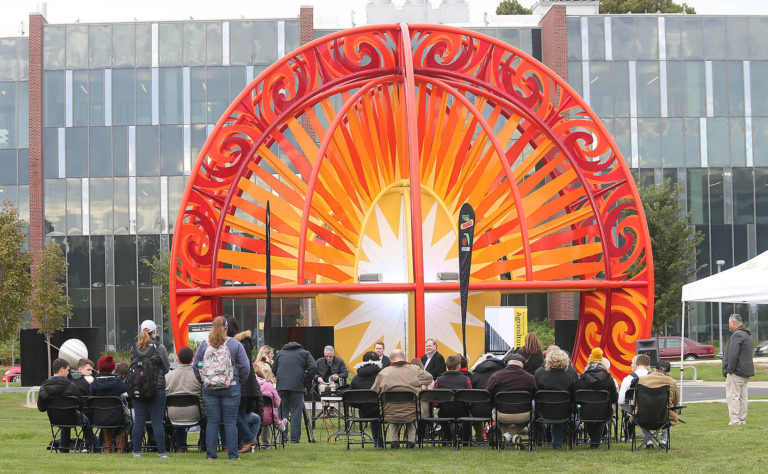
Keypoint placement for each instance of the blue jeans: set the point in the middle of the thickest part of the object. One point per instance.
(155, 409)
(254, 423)
(292, 403)
(66, 434)
(221, 407)
(595, 431)
(243, 429)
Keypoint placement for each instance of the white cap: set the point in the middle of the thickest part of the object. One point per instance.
(149, 325)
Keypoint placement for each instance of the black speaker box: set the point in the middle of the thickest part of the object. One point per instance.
(313, 338)
(34, 353)
(649, 347)
(565, 334)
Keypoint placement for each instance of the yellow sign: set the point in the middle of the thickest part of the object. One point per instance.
(521, 325)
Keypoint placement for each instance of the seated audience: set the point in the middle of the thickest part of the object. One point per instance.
(433, 361)
(453, 379)
(571, 369)
(270, 414)
(556, 377)
(486, 366)
(82, 377)
(107, 384)
(182, 380)
(378, 348)
(331, 368)
(596, 377)
(641, 366)
(658, 379)
(512, 378)
(367, 370)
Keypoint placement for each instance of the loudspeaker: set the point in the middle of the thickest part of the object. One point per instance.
(649, 347)
(314, 338)
(565, 334)
(34, 352)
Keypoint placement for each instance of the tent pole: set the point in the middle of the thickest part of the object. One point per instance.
(682, 352)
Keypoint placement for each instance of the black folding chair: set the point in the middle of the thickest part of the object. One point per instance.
(513, 403)
(107, 416)
(428, 422)
(652, 414)
(397, 397)
(188, 401)
(469, 396)
(553, 407)
(64, 413)
(275, 435)
(367, 404)
(594, 406)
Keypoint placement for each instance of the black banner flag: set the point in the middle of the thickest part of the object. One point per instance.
(268, 309)
(466, 239)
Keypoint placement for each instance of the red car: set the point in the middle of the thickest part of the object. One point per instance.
(669, 349)
(12, 375)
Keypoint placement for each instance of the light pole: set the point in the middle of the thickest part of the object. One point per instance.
(720, 264)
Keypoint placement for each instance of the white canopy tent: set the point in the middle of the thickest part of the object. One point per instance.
(745, 283)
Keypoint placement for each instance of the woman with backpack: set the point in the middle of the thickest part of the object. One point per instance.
(146, 386)
(222, 367)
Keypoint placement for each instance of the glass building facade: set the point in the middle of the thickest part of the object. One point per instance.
(128, 106)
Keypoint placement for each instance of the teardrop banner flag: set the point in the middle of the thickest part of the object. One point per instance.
(466, 239)
(268, 305)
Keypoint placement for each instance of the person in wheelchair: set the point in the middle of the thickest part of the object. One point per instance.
(331, 368)
(596, 377)
(657, 379)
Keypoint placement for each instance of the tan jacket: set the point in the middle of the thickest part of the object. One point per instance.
(656, 380)
(401, 376)
(183, 380)
(264, 370)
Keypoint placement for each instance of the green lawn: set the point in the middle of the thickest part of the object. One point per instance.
(701, 445)
(712, 372)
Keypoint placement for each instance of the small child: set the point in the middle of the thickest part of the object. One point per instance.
(271, 416)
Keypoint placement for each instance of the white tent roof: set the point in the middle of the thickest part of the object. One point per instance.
(745, 283)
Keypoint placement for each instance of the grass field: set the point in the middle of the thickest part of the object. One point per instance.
(704, 444)
(712, 372)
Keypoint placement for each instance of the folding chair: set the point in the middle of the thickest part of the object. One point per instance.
(64, 413)
(553, 407)
(513, 403)
(428, 421)
(367, 404)
(275, 435)
(194, 404)
(397, 397)
(470, 396)
(594, 406)
(106, 415)
(652, 414)
(627, 426)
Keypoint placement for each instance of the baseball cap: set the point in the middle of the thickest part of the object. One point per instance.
(149, 325)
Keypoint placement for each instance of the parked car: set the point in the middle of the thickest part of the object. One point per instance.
(762, 349)
(12, 375)
(669, 349)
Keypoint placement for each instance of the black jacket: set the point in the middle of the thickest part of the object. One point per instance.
(555, 380)
(453, 380)
(436, 367)
(595, 377)
(293, 367)
(366, 375)
(80, 385)
(385, 362)
(737, 358)
(56, 386)
(483, 372)
(337, 367)
(159, 358)
(108, 385)
(512, 379)
(251, 386)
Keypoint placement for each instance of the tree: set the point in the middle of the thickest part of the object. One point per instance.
(512, 7)
(15, 283)
(161, 270)
(674, 244)
(644, 6)
(49, 303)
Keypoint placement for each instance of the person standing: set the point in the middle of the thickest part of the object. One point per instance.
(737, 369)
(433, 361)
(148, 349)
(222, 366)
(293, 367)
(251, 405)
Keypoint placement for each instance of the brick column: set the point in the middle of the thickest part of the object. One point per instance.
(36, 214)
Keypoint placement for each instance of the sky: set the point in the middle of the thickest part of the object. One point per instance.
(15, 13)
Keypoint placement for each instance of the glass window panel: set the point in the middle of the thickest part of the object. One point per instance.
(147, 158)
(100, 206)
(702, 259)
(171, 150)
(714, 39)
(54, 99)
(720, 88)
(718, 150)
(647, 37)
(672, 143)
(596, 32)
(621, 88)
(670, 174)
(194, 43)
(736, 88)
(149, 246)
(241, 43)
(78, 270)
(648, 96)
(74, 206)
(738, 40)
(758, 71)
(692, 132)
(743, 196)
(673, 38)
(126, 316)
(120, 206)
(213, 44)
(649, 133)
(716, 198)
(237, 81)
(722, 246)
(146, 307)
(621, 136)
(697, 186)
(197, 93)
(55, 206)
(80, 97)
(123, 96)
(99, 313)
(692, 37)
(143, 97)
(8, 60)
(77, 46)
(291, 35)
(199, 134)
(124, 44)
(50, 153)
(601, 88)
(695, 89)
(758, 31)
(7, 169)
(143, 44)
(738, 149)
(23, 161)
(760, 141)
(740, 244)
(218, 92)
(96, 97)
(23, 70)
(100, 146)
(623, 38)
(8, 115)
(575, 76)
(148, 205)
(170, 95)
(511, 36)
(761, 196)
(77, 152)
(120, 151)
(97, 261)
(675, 88)
(80, 299)
(169, 44)
(22, 128)
(125, 260)
(175, 193)
(574, 37)
(266, 42)
(53, 46)
(100, 46)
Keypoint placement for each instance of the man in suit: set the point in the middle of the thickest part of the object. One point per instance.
(331, 368)
(378, 348)
(433, 361)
